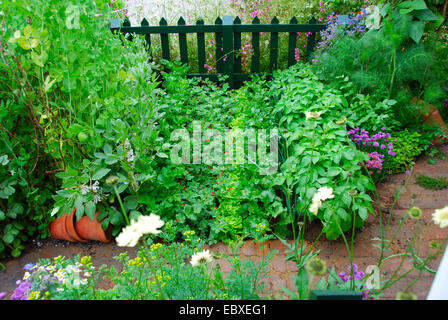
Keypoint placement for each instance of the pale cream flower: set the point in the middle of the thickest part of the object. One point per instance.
(201, 257)
(130, 235)
(312, 115)
(150, 224)
(321, 195)
(440, 217)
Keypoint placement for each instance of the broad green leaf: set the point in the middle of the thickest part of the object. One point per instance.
(100, 173)
(415, 30)
(90, 209)
(425, 15)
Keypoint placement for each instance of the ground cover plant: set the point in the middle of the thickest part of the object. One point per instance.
(90, 122)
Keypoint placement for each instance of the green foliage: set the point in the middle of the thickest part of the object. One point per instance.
(431, 183)
(389, 61)
(317, 153)
(407, 146)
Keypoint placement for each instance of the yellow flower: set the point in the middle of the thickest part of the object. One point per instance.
(155, 246)
(86, 260)
(440, 217)
(33, 295)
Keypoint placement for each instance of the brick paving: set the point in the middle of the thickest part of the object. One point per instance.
(281, 272)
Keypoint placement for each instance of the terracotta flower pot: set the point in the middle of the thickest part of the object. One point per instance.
(431, 116)
(92, 230)
(70, 226)
(63, 228)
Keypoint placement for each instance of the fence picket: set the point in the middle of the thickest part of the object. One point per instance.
(147, 36)
(165, 41)
(183, 43)
(237, 51)
(127, 23)
(292, 44)
(273, 61)
(255, 63)
(219, 47)
(201, 48)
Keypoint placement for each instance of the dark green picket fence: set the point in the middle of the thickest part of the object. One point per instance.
(228, 42)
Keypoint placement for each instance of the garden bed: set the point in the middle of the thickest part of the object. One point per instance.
(281, 272)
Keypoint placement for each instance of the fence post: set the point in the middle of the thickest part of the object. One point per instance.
(273, 61)
(165, 41)
(145, 23)
(201, 48)
(227, 39)
(255, 63)
(183, 43)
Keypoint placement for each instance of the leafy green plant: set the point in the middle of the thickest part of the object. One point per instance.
(431, 183)
(407, 146)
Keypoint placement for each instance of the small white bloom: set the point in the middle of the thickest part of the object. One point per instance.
(130, 235)
(59, 289)
(127, 144)
(440, 217)
(150, 224)
(85, 189)
(325, 193)
(26, 275)
(312, 115)
(130, 155)
(321, 195)
(201, 258)
(95, 186)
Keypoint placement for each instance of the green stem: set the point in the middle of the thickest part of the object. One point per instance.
(122, 206)
(151, 266)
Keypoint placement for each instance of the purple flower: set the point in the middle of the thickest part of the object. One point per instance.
(376, 144)
(382, 147)
(21, 292)
(28, 267)
(408, 172)
(2, 295)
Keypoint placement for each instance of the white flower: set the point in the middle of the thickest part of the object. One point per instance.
(59, 289)
(26, 275)
(96, 186)
(315, 205)
(85, 189)
(149, 224)
(321, 195)
(201, 258)
(130, 155)
(440, 217)
(325, 193)
(127, 144)
(312, 115)
(130, 235)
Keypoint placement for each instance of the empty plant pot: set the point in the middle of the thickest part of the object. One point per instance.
(58, 228)
(70, 226)
(92, 230)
